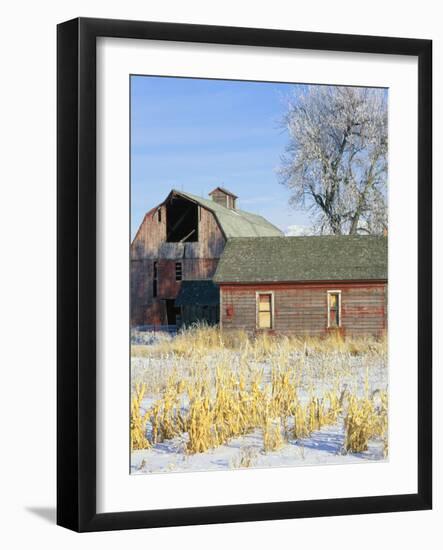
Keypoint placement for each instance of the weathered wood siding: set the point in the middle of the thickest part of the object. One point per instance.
(199, 261)
(223, 198)
(303, 308)
(150, 240)
(150, 235)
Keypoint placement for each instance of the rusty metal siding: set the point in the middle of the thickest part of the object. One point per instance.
(302, 308)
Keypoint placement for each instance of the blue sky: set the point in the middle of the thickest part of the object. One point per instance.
(196, 134)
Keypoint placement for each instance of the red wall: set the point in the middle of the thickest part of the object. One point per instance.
(302, 308)
(199, 261)
(149, 310)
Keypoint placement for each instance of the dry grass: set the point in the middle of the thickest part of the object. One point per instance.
(273, 439)
(365, 421)
(246, 458)
(208, 387)
(138, 420)
(201, 339)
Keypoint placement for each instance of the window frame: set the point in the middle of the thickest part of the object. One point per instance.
(155, 279)
(181, 271)
(328, 309)
(257, 309)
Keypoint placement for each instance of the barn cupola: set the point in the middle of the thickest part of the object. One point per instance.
(224, 197)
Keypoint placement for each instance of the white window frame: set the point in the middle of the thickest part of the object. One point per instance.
(338, 292)
(257, 305)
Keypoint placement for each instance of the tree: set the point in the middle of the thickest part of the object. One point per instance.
(336, 161)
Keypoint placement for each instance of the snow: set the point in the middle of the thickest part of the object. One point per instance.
(299, 231)
(323, 447)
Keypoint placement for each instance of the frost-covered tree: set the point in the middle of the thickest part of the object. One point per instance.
(336, 161)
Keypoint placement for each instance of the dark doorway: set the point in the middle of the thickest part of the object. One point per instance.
(200, 314)
(172, 313)
(199, 301)
(181, 221)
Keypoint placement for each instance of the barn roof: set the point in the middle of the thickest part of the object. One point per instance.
(293, 259)
(197, 293)
(235, 223)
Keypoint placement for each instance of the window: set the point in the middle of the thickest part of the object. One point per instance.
(159, 215)
(178, 271)
(334, 308)
(181, 218)
(154, 281)
(264, 310)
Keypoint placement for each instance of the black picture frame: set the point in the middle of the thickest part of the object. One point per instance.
(76, 281)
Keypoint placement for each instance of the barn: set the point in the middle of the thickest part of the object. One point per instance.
(304, 285)
(175, 253)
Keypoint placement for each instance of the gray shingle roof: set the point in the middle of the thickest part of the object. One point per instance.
(292, 259)
(198, 293)
(236, 223)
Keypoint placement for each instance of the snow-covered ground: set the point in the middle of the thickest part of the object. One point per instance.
(323, 447)
(360, 373)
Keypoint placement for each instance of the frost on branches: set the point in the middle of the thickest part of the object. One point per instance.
(336, 161)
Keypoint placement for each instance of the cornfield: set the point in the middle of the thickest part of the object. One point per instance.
(138, 420)
(207, 388)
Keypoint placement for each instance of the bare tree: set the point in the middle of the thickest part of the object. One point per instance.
(336, 162)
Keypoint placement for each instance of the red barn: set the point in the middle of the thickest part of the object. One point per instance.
(304, 285)
(176, 251)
